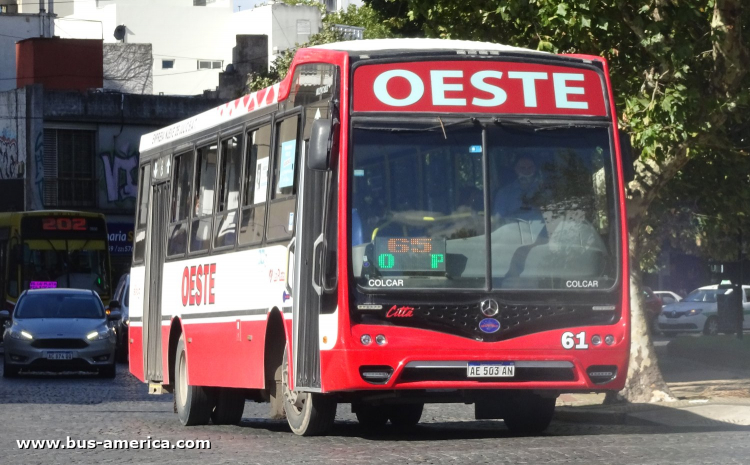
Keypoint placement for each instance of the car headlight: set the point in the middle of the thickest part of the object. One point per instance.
(695, 311)
(21, 334)
(98, 335)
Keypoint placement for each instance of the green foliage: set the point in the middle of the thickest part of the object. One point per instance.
(363, 16)
(681, 85)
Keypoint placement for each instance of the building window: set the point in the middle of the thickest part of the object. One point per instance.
(210, 64)
(69, 157)
(167, 64)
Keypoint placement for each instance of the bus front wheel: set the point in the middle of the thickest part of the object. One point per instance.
(308, 413)
(194, 403)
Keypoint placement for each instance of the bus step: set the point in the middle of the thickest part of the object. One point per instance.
(156, 389)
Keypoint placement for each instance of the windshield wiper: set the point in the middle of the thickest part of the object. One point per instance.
(568, 126)
(441, 126)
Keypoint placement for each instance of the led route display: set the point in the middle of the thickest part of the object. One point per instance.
(410, 255)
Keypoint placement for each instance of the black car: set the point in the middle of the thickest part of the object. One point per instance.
(120, 302)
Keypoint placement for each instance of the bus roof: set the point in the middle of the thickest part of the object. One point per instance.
(382, 45)
(274, 94)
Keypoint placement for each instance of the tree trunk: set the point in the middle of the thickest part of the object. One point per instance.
(644, 382)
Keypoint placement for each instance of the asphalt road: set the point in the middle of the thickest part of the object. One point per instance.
(87, 408)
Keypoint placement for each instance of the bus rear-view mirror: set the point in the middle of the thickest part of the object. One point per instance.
(319, 157)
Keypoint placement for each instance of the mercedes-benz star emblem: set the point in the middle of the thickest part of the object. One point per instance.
(489, 307)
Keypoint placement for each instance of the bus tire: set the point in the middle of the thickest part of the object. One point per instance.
(370, 416)
(406, 415)
(230, 404)
(529, 414)
(194, 403)
(308, 413)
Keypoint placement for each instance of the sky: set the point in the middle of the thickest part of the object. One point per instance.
(238, 5)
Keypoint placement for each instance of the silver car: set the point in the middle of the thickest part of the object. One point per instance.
(59, 330)
(698, 312)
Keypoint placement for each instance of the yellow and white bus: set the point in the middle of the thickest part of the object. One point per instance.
(51, 249)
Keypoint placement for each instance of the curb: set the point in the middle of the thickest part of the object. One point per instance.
(619, 414)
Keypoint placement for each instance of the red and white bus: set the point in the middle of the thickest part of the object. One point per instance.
(398, 222)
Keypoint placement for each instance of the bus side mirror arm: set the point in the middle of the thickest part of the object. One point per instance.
(626, 154)
(321, 144)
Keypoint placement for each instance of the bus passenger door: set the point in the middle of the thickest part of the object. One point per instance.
(152, 312)
(312, 242)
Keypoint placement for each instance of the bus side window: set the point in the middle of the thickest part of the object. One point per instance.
(203, 198)
(255, 190)
(182, 177)
(225, 223)
(283, 195)
(144, 186)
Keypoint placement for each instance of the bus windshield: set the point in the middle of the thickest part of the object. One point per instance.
(77, 264)
(429, 212)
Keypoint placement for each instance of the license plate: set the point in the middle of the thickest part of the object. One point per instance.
(491, 370)
(60, 355)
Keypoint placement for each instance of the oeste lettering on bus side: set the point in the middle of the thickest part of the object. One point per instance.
(198, 285)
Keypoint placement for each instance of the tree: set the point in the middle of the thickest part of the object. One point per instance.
(680, 73)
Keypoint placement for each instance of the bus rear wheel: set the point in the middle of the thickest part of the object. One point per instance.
(194, 403)
(230, 404)
(529, 414)
(308, 413)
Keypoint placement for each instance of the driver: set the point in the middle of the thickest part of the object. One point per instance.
(520, 199)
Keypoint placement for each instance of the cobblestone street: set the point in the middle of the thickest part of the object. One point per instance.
(87, 408)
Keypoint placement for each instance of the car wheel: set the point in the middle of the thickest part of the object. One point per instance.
(308, 413)
(230, 404)
(122, 354)
(711, 328)
(108, 372)
(655, 330)
(529, 414)
(10, 371)
(407, 415)
(370, 416)
(194, 403)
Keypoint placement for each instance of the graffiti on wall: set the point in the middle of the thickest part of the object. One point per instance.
(120, 167)
(37, 198)
(9, 162)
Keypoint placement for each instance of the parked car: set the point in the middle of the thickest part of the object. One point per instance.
(121, 300)
(698, 312)
(667, 297)
(59, 330)
(652, 306)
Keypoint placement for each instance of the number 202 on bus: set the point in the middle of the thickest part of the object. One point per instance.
(64, 224)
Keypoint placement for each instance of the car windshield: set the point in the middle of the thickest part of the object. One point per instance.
(425, 212)
(59, 305)
(704, 295)
(66, 267)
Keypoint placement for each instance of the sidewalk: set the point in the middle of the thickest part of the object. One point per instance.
(727, 411)
(709, 375)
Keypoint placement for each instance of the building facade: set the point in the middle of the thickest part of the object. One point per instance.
(191, 40)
